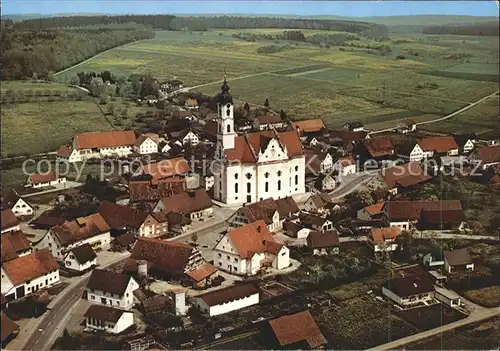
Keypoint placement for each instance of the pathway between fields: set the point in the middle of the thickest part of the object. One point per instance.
(445, 117)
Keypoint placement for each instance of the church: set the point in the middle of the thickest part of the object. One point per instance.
(254, 166)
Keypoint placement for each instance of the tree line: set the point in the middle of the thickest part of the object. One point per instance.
(480, 29)
(42, 52)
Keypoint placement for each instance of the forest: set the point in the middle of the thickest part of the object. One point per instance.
(490, 29)
(40, 53)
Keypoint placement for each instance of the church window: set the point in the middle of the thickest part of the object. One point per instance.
(229, 128)
(296, 168)
(228, 105)
(228, 112)
(266, 187)
(296, 179)
(236, 188)
(249, 187)
(236, 176)
(279, 184)
(279, 173)
(266, 174)
(249, 175)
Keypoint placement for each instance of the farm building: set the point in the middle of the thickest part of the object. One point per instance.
(108, 319)
(228, 299)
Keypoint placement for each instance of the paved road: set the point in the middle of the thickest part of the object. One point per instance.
(441, 235)
(445, 117)
(351, 185)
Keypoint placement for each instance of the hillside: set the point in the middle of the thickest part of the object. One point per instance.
(478, 29)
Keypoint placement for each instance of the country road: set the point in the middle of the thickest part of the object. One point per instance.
(445, 117)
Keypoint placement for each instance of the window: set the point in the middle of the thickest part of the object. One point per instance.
(266, 187)
(228, 112)
(236, 176)
(228, 257)
(279, 185)
(266, 174)
(229, 128)
(236, 259)
(249, 175)
(220, 255)
(296, 168)
(296, 179)
(249, 187)
(236, 188)
(279, 173)
(92, 297)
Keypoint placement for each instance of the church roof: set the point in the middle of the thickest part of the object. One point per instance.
(224, 96)
(247, 147)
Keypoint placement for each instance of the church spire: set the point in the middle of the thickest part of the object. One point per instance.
(224, 95)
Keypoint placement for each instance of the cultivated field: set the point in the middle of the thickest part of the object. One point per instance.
(28, 86)
(30, 128)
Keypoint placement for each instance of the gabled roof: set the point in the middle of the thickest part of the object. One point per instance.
(64, 151)
(437, 217)
(80, 229)
(404, 175)
(488, 154)
(187, 202)
(46, 221)
(146, 190)
(458, 257)
(268, 119)
(104, 313)
(375, 209)
(355, 124)
(29, 267)
(378, 147)
(247, 146)
(462, 139)
(296, 328)
(406, 148)
(165, 255)
(320, 200)
(309, 125)
(108, 281)
(125, 240)
(410, 285)
(93, 140)
(121, 216)
(13, 243)
(201, 272)
(8, 219)
(380, 235)
(10, 197)
(38, 178)
(83, 253)
(318, 240)
(166, 168)
(253, 238)
(143, 138)
(411, 210)
(308, 219)
(439, 144)
(346, 135)
(231, 293)
(261, 210)
(347, 161)
(287, 206)
(9, 327)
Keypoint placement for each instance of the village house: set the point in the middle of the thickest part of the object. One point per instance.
(19, 206)
(465, 142)
(137, 222)
(80, 258)
(67, 154)
(227, 299)
(150, 192)
(26, 274)
(169, 260)
(318, 204)
(297, 331)
(108, 319)
(371, 212)
(407, 291)
(164, 169)
(10, 330)
(191, 104)
(188, 137)
(439, 145)
(374, 151)
(170, 86)
(344, 141)
(318, 162)
(248, 162)
(311, 141)
(315, 222)
(324, 183)
(111, 289)
(458, 260)
(410, 152)
(345, 166)
(247, 249)
(407, 214)
(309, 127)
(40, 180)
(123, 242)
(9, 221)
(295, 230)
(146, 145)
(268, 122)
(488, 156)
(406, 126)
(101, 144)
(92, 229)
(353, 126)
(323, 243)
(46, 221)
(15, 244)
(383, 239)
(403, 177)
(151, 100)
(164, 147)
(272, 212)
(447, 297)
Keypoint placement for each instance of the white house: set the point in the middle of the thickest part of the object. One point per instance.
(194, 204)
(67, 154)
(315, 222)
(353, 126)
(411, 152)
(247, 249)
(108, 319)
(188, 137)
(268, 122)
(102, 144)
(80, 258)
(323, 243)
(295, 230)
(39, 271)
(345, 166)
(146, 145)
(255, 166)
(458, 260)
(9, 221)
(429, 261)
(318, 203)
(91, 230)
(447, 297)
(383, 239)
(111, 289)
(19, 206)
(409, 290)
(228, 299)
(40, 180)
(440, 145)
(406, 126)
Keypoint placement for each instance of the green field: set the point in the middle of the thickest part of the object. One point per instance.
(41, 127)
(26, 86)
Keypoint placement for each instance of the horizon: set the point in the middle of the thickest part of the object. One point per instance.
(263, 8)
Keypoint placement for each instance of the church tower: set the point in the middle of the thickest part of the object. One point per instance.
(225, 121)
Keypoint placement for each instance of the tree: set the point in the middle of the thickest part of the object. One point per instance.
(283, 115)
(266, 103)
(246, 107)
(97, 87)
(74, 81)
(405, 244)
(364, 197)
(149, 86)
(50, 76)
(34, 77)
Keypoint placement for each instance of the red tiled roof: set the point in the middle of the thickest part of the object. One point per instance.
(488, 154)
(187, 202)
(121, 216)
(30, 266)
(201, 272)
(347, 135)
(378, 147)
(143, 138)
(166, 168)
(80, 229)
(296, 328)
(253, 238)
(309, 125)
(375, 209)
(347, 161)
(404, 175)
(64, 151)
(457, 257)
(43, 177)
(13, 243)
(228, 294)
(247, 147)
(440, 144)
(287, 206)
(114, 138)
(380, 235)
(329, 238)
(411, 210)
(8, 219)
(268, 119)
(145, 190)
